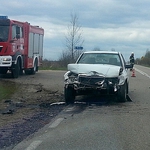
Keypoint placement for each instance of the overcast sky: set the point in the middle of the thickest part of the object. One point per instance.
(106, 24)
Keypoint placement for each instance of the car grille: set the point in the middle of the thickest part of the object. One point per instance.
(90, 80)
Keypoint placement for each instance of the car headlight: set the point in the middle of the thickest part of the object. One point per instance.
(70, 77)
(121, 80)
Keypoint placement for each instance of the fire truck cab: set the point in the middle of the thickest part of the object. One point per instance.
(21, 47)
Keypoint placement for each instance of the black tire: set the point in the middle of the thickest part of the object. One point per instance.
(29, 72)
(21, 72)
(69, 94)
(122, 93)
(15, 70)
(34, 69)
(3, 70)
(37, 69)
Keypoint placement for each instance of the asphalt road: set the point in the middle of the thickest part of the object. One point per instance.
(100, 126)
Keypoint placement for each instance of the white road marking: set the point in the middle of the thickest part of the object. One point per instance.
(143, 73)
(57, 103)
(71, 108)
(33, 145)
(56, 123)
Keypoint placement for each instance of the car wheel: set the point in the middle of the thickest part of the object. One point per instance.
(122, 94)
(69, 94)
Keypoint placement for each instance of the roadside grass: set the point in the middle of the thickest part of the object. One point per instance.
(145, 65)
(7, 89)
(52, 68)
(52, 65)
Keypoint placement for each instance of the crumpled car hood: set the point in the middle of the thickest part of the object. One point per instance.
(101, 69)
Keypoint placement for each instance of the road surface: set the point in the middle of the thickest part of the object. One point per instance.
(100, 126)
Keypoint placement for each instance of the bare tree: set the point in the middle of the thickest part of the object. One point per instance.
(74, 36)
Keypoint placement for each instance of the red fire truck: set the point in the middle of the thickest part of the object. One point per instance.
(21, 47)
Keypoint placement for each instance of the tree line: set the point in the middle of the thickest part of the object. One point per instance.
(144, 60)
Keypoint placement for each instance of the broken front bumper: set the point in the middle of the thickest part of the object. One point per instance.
(89, 84)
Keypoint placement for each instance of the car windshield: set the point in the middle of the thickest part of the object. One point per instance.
(100, 58)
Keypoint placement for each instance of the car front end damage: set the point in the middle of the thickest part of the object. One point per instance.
(97, 72)
(92, 83)
(103, 79)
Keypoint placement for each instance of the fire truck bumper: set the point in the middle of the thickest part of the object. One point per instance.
(5, 61)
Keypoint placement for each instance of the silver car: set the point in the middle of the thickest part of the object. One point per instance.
(102, 72)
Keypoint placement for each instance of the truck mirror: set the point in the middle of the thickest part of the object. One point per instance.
(17, 36)
(17, 32)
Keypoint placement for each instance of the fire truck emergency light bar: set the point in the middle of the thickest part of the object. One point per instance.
(3, 17)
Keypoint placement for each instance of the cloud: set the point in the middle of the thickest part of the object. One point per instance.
(122, 25)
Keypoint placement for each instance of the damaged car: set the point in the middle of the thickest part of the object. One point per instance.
(101, 72)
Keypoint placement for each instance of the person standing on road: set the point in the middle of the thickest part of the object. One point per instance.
(132, 59)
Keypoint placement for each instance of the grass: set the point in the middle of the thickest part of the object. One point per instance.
(52, 65)
(52, 68)
(7, 89)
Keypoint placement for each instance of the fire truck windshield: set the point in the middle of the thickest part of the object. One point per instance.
(4, 32)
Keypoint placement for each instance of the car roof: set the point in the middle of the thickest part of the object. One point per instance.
(109, 52)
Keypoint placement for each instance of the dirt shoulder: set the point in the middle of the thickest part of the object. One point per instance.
(28, 99)
(31, 106)
(32, 93)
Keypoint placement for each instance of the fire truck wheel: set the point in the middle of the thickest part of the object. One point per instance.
(16, 70)
(34, 69)
(27, 72)
(3, 70)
